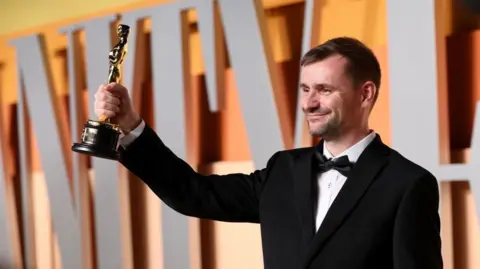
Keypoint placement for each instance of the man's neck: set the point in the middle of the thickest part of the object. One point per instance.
(345, 141)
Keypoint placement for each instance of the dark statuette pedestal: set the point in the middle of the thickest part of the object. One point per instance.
(99, 139)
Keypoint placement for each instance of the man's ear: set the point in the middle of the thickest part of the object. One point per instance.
(368, 93)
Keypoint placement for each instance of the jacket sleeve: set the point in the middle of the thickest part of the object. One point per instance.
(416, 238)
(233, 197)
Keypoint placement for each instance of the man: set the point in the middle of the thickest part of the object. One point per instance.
(350, 202)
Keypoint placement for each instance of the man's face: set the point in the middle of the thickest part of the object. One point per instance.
(329, 100)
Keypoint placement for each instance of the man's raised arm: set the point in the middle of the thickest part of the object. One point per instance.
(232, 197)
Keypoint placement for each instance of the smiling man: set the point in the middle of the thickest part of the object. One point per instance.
(349, 202)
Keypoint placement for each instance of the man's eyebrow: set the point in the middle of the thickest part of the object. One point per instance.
(322, 86)
(303, 85)
(317, 86)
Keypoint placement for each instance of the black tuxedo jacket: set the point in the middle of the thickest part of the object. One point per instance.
(385, 216)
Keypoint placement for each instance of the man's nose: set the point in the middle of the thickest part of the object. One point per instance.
(311, 101)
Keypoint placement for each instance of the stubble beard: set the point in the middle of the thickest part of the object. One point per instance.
(327, 131)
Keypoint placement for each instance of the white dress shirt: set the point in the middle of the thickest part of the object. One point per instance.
(125, 140)
(331, 182)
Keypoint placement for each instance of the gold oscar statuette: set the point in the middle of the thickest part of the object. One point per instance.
(100, 137)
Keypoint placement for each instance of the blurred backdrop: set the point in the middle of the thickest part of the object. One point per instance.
(192, 64)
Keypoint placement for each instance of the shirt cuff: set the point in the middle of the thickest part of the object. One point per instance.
(127, 139)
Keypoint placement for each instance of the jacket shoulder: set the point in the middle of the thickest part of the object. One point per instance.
(399, 161)
(295, 153)
(408, 172)
(287, 156)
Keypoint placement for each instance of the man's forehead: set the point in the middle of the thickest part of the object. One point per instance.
(335, 62)
(322, 69)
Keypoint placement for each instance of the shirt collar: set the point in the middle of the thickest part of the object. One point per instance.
(354, 151)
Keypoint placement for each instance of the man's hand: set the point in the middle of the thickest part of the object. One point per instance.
(112, 101)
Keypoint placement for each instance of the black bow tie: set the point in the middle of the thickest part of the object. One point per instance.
(341, 164)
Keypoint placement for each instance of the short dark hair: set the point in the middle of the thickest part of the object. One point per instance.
(362, 62)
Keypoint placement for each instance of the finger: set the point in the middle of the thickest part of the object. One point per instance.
(110, 86)
(98, 96)
(111, 107)
(100, 88)
(117, 89)
(103, 114)
(107, 106)
(111, 99)
(99, 91)
(104, 96)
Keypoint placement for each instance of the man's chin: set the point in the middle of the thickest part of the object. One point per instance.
(316, 132)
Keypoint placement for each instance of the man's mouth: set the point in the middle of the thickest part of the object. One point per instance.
(315, 116)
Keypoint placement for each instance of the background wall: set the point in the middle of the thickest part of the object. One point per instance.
(26, 14)
(217, 142)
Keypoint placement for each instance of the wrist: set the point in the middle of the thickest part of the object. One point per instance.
(131, 123)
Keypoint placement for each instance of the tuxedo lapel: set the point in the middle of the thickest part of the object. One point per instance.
(369, 164)
(304, 194)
